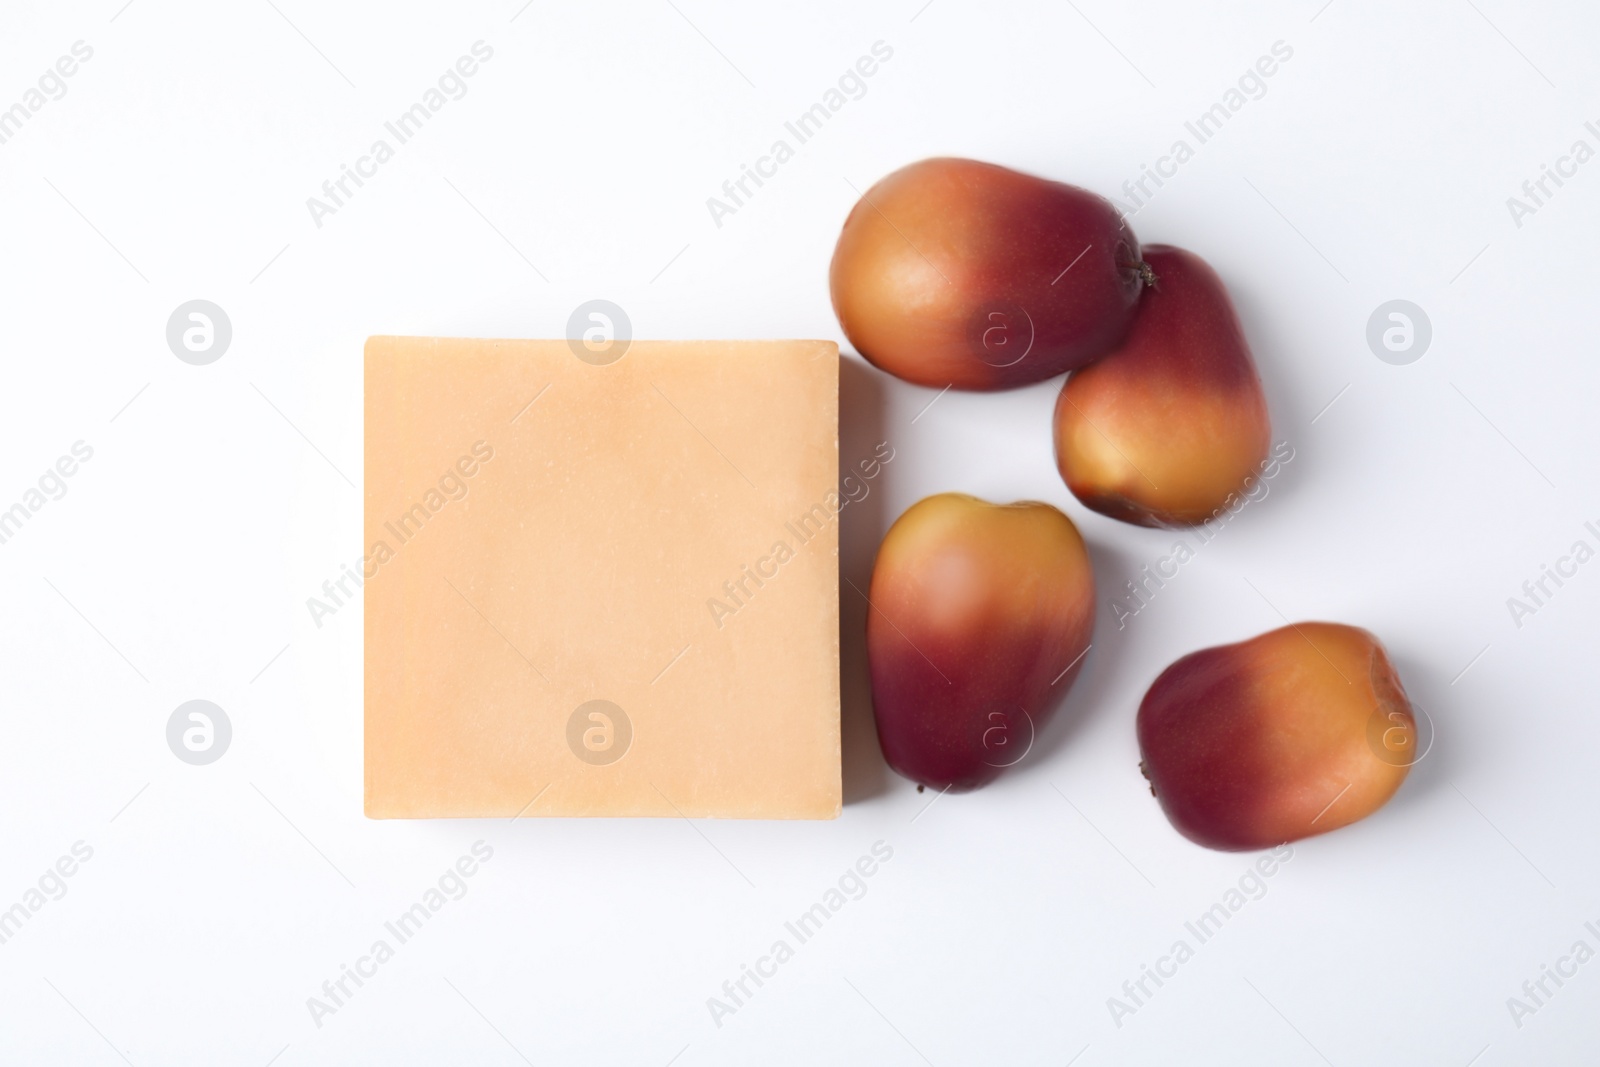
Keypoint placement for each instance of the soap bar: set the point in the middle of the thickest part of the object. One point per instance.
(601, 588)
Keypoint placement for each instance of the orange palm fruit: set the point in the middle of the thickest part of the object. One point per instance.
(1171, 426)
(1296, 732)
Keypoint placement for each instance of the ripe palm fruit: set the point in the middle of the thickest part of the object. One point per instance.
(951, 272)
(1171, 427)
(1293, 733)
(981, 615)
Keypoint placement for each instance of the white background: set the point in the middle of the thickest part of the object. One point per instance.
(219, 899)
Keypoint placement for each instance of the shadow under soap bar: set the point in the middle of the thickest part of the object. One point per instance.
(601, 589)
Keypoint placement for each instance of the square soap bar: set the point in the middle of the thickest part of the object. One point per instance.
(601, 586)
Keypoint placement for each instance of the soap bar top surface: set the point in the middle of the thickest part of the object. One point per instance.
(601, 589)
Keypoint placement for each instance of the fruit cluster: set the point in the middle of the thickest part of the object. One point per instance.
(952, 272)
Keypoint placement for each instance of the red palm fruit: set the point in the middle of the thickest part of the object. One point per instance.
(1171, 427)
(981, 615)
(1293, 733)
(955, 272)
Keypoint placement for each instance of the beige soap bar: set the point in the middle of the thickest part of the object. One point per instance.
(601, 588)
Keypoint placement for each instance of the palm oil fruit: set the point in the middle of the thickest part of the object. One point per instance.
(1293, 733)
(951, 272)
(980, 618)
(1171, 427)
